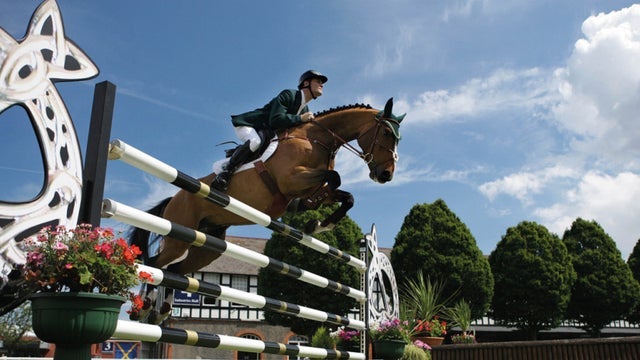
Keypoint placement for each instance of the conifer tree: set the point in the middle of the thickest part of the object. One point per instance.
(605, 289)
(533, 279)
(345, 236)
(434, 241)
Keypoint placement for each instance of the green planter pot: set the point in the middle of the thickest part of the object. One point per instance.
(388, 349)
(74, 321)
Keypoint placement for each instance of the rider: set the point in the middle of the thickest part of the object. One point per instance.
(287, 109)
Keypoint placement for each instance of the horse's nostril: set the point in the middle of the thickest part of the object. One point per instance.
(385, 176)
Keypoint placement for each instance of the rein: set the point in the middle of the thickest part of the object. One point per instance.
(342, 143)
(368, 156)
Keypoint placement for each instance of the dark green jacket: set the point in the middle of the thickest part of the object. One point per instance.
(279, 113)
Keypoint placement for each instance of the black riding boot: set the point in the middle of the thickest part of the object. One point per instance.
(240, 155)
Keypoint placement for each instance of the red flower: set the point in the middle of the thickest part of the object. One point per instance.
(145, 276)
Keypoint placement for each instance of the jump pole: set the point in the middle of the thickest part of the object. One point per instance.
(128, 330)
(158, 225)
(180, 282)
(119, 150)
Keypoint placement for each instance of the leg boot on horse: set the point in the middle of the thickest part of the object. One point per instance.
(240, 155)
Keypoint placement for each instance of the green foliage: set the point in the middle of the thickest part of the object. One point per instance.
(413, 352)
(605, 290)
(14, 325)
(634, 264)
(634, 261)
(533, 279)
(345, 236)
(322, 339)
(459, 315)
(435, 242)
(423, 298)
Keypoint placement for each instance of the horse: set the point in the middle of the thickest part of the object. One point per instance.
(298, 176)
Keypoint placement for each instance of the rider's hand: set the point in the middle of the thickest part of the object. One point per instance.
(306, 117)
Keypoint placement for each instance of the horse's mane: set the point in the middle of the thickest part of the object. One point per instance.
(340, 108)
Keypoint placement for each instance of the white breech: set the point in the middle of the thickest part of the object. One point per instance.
(247, 133)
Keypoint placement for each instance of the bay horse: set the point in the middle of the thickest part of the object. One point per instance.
(300, 177)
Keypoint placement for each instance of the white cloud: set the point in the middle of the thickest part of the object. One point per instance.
(388, 58)
(612, 201)
(468, 8)
(598, 107)
(600, 89)
(526, 184)
(505, 89)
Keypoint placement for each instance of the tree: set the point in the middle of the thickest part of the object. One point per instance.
(605, 290)
(533, 278)
(434, 241)
(634, 261)
(634, 265)
(345, 236)
(13, 326)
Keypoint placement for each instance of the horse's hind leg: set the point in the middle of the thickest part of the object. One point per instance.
(148, 294)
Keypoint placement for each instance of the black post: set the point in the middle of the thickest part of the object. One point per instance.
(95, 164)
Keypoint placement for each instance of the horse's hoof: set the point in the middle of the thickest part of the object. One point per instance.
(311, 226)
(160, 318)
(294, 205)
(153, 317)
(322, 228)
(165, 308)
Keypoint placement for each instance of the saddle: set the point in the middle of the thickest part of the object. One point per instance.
(265, 139)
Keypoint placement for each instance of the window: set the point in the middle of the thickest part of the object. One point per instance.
(297, 340)
(214, 308)
(243, 355)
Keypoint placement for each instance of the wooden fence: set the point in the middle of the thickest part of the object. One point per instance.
(621, 348)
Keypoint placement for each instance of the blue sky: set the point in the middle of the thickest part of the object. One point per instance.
(519, 110)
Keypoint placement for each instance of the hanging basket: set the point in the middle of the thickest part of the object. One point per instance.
(74, 321)
(388, 349)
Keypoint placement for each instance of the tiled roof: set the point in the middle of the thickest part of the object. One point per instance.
(228, 265)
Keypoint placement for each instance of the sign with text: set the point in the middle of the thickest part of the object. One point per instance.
(185, 298)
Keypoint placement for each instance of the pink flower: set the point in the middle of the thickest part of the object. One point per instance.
(422, 345)
(59, 246)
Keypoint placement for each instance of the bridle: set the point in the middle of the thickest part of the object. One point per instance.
(366, 156)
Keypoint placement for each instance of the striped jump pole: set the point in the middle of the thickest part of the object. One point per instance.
(158, 225)
(118, 150)
(128, 330)
(189, 284)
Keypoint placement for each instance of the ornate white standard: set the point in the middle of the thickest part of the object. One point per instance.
(28, 69)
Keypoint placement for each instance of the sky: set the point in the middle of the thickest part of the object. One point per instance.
(516, 111)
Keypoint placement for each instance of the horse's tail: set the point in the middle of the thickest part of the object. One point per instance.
(140, 237)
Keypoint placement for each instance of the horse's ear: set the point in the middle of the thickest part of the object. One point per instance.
(399, 118)
(387, 108)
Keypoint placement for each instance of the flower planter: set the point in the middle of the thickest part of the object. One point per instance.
(74, 321)
(353, 347)
(430, 340)
(388, 349)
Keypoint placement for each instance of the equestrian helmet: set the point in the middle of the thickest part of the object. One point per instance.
(309, 75)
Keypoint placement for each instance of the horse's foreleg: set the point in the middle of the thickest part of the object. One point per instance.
(346, 202)
(324, 194)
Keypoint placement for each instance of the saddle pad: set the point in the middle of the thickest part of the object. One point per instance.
(273, 145)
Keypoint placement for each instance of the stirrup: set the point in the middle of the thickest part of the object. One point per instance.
(221, 182)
